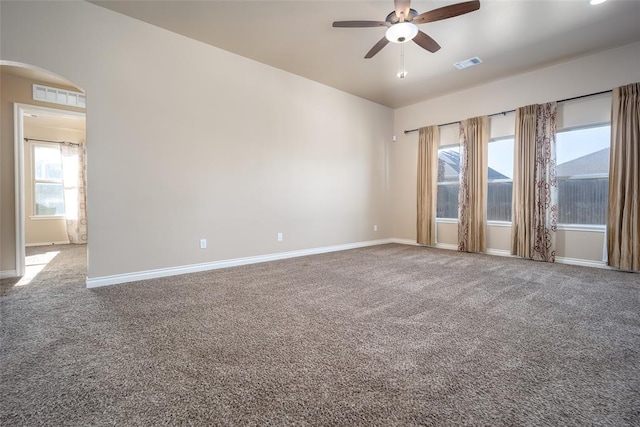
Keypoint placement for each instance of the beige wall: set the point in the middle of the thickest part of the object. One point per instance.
(12, 89)
(189, 142)
(582, 76)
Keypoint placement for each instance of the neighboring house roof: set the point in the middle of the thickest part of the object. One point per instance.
(594, 163)
(449, 167)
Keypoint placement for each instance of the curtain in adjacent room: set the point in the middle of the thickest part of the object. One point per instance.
(623, 218)
(74, 183)
(523, 178)
(545, 214)
(428, 144)
(472, 198)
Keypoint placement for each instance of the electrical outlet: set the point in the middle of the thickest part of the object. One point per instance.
(375, 228)
(279, 237)
(203, 243)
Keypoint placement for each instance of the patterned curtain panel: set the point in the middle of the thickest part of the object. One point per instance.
(428, 143)
(623, 219)
(472, 198)
(523, 178)
(545, 214)
(74, 182)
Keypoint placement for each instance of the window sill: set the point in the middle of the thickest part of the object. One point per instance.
(582, 227)
(499, 223)
(46, 217)
(564, 227)
(489, 223)
(446, 220)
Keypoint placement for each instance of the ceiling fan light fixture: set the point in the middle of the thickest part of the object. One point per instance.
(401, 32)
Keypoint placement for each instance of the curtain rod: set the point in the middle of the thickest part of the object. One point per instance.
(53, 142)
(511, 111)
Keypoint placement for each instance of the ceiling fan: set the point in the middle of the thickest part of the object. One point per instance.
(402, 24)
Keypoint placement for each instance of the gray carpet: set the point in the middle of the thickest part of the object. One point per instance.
(386, 335)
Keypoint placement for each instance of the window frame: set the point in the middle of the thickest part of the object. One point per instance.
(493, 222)
(35, 181)
(447, 220)
(600, 228)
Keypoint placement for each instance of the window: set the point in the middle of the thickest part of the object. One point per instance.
(582, 158)
(448, 182)
(48, 192)
(500, 179)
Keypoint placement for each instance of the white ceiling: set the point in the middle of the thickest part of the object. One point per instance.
(510, 36)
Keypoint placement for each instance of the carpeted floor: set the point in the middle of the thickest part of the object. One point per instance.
(386, 335)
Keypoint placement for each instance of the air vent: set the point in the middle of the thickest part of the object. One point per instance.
(468, 63)
(59, 96)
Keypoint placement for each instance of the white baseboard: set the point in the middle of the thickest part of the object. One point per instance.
(95, 282)
(498, 252)
(405, 242)
(7, 274)
(583, 262)
(506, 253)
(447, 246)
(48, 243)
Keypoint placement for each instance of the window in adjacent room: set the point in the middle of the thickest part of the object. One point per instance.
(48, 194)
(448, 181)
(500, 179)
(582, 168)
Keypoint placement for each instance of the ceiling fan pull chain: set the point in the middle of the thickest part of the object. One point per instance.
(403, 71)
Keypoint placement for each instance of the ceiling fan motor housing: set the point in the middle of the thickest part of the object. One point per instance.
(392, 18)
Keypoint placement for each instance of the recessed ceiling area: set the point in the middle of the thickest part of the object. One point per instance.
(39, 118)
(297, 36)
(40, 76)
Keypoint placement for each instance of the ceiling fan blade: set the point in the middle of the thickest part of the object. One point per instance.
(426, 42)
(360, 24)
(377, 48)
(402, 8)
(447, 12)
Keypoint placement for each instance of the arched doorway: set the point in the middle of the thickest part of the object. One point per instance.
(44, 123)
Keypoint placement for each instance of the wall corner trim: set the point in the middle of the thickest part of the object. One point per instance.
(8, 274)
(405, 242)
(583, 262)
(96, 282)
(498, 252)
(447, 246)
(62, 242)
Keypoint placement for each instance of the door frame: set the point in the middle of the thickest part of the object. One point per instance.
(19, 111)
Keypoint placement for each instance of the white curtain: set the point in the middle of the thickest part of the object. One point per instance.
(74, 182)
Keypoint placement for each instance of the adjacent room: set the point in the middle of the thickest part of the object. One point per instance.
(320, 213)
